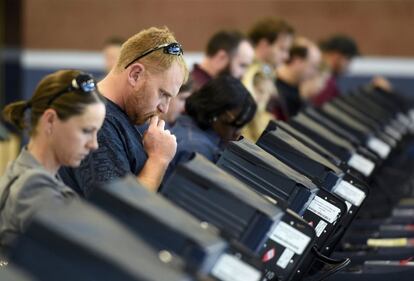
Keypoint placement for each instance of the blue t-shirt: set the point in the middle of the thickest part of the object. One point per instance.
(190, 139)
(120, 152)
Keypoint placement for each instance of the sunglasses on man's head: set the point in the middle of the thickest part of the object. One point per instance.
(83, 83)
(169, 48)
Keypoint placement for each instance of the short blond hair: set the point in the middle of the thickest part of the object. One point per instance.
(156, 61)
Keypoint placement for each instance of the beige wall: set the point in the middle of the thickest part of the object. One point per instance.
(8, 151)
(382, 27)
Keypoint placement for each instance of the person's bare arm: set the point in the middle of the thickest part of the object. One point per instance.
(160, 146)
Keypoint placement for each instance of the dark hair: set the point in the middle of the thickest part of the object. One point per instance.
(340, 43)
(218, 96)
(187, 86)
(66, 105)
(269, 29)
(225, 40)
(297, 51)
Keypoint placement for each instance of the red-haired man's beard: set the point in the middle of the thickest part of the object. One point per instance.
(139, 119)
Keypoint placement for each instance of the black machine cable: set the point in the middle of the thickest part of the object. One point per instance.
(338, 265)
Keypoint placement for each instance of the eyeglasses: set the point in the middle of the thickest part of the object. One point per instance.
(245, 115)
(169, 48)
(83, 83)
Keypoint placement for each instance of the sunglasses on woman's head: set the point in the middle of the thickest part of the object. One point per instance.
(83, 83)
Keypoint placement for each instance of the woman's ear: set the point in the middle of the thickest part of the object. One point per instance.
(48, 120)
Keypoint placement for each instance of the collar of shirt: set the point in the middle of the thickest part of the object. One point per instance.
(114, 107)
(26, 161)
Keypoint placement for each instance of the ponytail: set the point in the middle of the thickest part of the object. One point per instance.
(14, 113)
(51, 88)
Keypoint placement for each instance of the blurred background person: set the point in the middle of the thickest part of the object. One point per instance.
(303, 64)
(262, 87)
(177, 104)
(111, 51)
(227, 52)
(338, 51)
(337, 54)
(271, 38)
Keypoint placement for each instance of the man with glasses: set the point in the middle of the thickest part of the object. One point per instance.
(148, 74)
(215, 115)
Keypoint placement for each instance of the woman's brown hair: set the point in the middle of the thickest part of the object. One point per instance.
(69, 104)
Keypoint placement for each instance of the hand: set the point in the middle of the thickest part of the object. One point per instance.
(381, 83)
(159, 144)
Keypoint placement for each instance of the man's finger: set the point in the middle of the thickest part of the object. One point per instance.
(153, 121)
(161, 124)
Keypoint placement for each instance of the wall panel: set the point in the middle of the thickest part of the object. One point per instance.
(382, 27)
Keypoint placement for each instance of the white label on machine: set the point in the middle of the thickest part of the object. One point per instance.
(392, 132)
(379, 147)
(410, 116)
(404, 119)
(324, 209)
(285, 258)
(320, 227)
(361, 164)
(290, 238)
(349, 192)
(230, 268)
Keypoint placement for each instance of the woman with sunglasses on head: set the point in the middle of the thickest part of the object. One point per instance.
(64, 116)
(215, 115)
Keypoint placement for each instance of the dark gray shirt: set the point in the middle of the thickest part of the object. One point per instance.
(120, 152)
(191, 139)
(33, 188)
